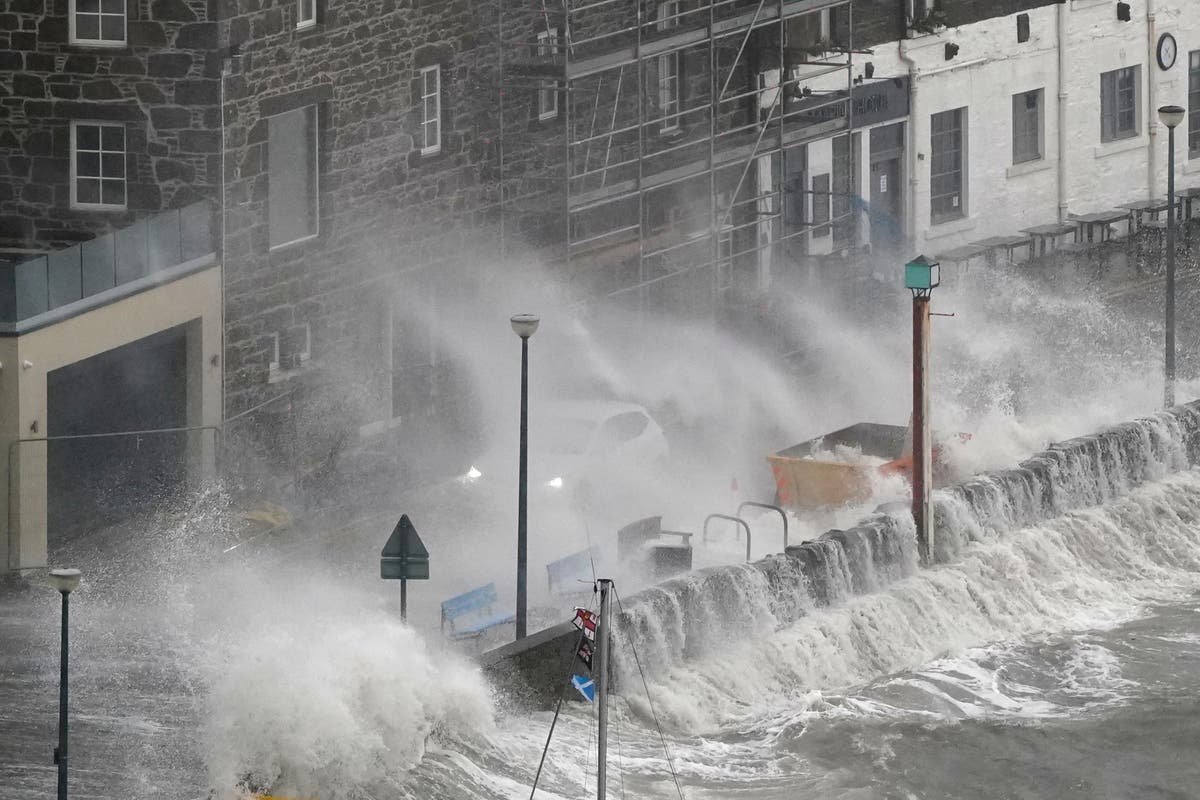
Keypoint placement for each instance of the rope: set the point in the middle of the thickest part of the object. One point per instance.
(562, 693)
(650, 701)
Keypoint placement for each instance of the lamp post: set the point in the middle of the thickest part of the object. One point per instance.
(921, 276)
(1171, 116)
(523, 325)
(65, 581)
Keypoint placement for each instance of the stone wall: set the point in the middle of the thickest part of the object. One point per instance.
(381, 200)
(162, 85)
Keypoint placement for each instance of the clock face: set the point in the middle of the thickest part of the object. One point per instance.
(1166, 51)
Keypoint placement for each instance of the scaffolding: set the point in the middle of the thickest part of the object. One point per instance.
(659, 147)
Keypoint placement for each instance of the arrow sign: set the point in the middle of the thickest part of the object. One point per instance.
(404, 556)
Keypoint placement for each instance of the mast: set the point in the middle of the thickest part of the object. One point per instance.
(602, 689)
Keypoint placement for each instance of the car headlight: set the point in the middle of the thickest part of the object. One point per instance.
(473, 473)
(555, 483)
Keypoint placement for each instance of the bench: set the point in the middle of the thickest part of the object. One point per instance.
(572, 569)
(476, 605)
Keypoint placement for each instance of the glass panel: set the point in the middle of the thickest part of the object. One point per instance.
(112, 28)
(113, 7)
(163, 238)
(131, 252)
(87, 27)
(112, 137)
(98, 264)
(31, 288)
(113, 193)
(87, 6)
(87, 191)
(196, 240)
(87, 137)
(64, 283)
(113, 165)
(87, 165)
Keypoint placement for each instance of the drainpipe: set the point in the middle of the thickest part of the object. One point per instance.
(911, 150)
(1062, 112)
(1152, 107)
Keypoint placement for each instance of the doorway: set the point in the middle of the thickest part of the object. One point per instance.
(887, 198)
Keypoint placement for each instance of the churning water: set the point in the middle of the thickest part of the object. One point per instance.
(1053, 652)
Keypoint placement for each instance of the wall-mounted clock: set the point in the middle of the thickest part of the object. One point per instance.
(1166, 51)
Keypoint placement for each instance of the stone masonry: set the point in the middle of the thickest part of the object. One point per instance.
(162, 84)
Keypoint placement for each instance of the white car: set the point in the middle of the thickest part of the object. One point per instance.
(573, 446)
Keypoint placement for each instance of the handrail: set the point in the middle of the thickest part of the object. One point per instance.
(217, 441)
(736, 521)
(769, 507)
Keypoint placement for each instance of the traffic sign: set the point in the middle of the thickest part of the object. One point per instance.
(404, 556)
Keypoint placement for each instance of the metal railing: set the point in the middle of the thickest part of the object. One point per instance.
(782, 515)
(741, 523)
(147, 246)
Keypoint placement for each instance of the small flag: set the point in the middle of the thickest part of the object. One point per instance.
(586, 621)
(586, 687)
(585, 652)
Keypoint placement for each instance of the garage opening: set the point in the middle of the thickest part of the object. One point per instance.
(96, 482)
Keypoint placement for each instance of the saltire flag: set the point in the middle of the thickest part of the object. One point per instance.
(585, 652)
(586, 621)
(586, 687)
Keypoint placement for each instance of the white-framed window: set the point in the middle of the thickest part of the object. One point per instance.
(668, 70)
(547, 90)
(98, 175)
(306, 13)
(725, 258)
(97, 23)
(1119, 103)
(431, 110)
(948, 153)
(305, 343)
(1027, 126)
(292, 154)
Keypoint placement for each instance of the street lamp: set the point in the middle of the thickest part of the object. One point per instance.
(1171, 116)
(523, 325)
(65, 581)
(921, 276)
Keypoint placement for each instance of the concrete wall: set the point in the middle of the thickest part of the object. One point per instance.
(194, 299)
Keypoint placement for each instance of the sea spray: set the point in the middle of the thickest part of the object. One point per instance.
(330, 704)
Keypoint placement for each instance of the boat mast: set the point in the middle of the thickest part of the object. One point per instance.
(602, 689)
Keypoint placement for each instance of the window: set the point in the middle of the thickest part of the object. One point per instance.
(306, 13)
(1194, 104)
(431, 110)
(809, 33)
(98, 22)
(97, 165)
(548, 90)
(725, 258)
(1118, 104)
(947, 151)
(1022, 28)
(292, 175)
(1027, 126)
(668, 71)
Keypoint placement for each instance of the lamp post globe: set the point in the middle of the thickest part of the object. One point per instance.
(525, 325)
(64, 580)
(1171, 116)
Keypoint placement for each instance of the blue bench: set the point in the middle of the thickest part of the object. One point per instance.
(476, 606)
(569, 570)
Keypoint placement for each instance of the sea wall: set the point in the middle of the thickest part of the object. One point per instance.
(693, 613)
